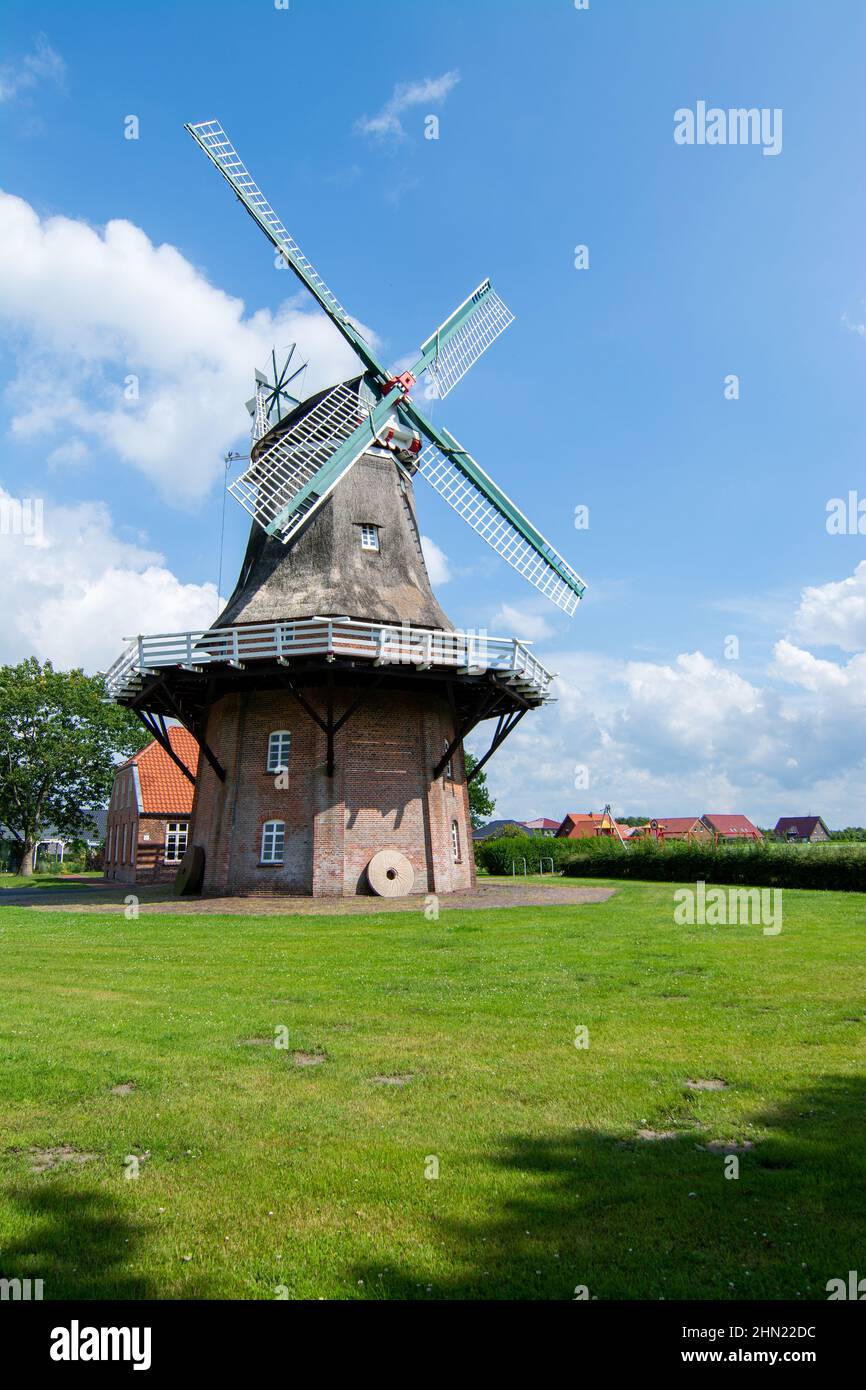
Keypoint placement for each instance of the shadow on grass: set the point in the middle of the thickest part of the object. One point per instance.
(81, 1244)
(84, 893)
(652, 1219)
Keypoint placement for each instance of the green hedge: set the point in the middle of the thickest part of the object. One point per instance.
(757, 865)
(496, 855)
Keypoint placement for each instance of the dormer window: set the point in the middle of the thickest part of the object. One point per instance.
(369, 538)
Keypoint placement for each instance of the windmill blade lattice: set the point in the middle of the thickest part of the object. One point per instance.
(536, 559)
(214, 141)
(275, 489)
(258, 409)
(480, 320)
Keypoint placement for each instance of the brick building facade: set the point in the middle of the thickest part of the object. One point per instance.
(149, 814)
(279, 824)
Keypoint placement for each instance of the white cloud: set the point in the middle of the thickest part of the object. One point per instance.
(834, 614)
(70, 454)
(430, 91)
(75, 593)
(520, 622)
(92, 309)
(846, 683)
(43, 64)
(437, 562)
(693, 735)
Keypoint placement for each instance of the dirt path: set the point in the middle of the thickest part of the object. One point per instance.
(99, 896)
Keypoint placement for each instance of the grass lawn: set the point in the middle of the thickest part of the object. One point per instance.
(47, 880)
(261, 1172)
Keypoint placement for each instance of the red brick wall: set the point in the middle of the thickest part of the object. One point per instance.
(381, 795)
(122, 811)
(150, 862)
(149, 865)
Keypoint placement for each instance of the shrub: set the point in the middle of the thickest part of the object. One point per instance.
(496, 856)
(760, 865)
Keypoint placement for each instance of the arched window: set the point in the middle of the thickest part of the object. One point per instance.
(279, 747)
(455, 842)
(273, 841)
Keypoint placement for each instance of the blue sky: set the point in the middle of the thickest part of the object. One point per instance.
(707, 515)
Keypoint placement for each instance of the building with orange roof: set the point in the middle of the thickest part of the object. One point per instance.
(577, 826)
(149, 812)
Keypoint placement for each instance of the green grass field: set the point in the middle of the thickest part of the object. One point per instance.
(44, 880)
(262, 1174)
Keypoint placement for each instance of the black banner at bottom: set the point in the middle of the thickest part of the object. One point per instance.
(147, 1338)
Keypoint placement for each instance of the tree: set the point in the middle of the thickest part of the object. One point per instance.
(481, 803)
(60, 738)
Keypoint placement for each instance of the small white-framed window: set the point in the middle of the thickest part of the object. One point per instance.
(273, 841)
(123, 857)
(176, 835)
(108, 844)
(369, 538)
(455, 842)
(279, 747)
(449, 766)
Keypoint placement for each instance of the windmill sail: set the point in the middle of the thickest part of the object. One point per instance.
(211, 137)
(498, 522)
(460, 340)
(292, 477)
(289, 480)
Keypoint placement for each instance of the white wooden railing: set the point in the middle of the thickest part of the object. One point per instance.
(381, 644)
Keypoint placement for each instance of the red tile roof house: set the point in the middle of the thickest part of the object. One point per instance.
(583, 827)
(542, 825)
(728, 829)
(149, 813)
(798, 828)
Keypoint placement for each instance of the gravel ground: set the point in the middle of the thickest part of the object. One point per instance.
(99, 896)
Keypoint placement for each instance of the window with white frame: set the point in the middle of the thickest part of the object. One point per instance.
(369, 538)
(273, 841)
(176, 833)
(449, 766)
(279, 747)
(123, 856)
(455, 842)
(109, 845)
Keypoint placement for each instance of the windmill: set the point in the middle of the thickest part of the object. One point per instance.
(332, 695)
(291, 480)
